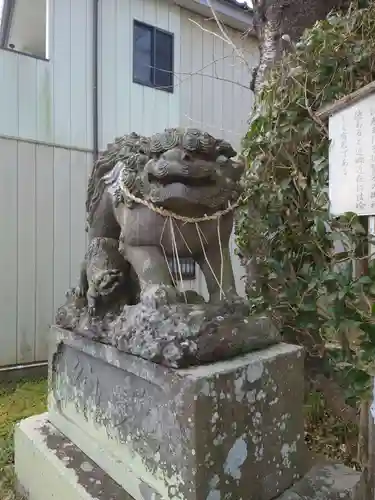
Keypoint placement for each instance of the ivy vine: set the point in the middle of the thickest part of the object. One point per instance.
(285, 227)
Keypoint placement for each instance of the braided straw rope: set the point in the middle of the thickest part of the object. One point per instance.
(166, 213)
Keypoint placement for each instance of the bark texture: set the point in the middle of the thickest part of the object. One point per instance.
(278, 23)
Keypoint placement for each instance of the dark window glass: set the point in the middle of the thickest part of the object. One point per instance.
(153, 57)
(143, 54)
(163, 60)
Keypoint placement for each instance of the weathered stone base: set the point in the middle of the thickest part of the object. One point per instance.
(328, 482)
(205, 432)
(177, 334)
(49, 466)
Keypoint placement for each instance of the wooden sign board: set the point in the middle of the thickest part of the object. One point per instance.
(352, 159)
(352, 189)
(352, 153)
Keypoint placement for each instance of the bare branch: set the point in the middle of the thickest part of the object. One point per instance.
(225, 34)
(179, 74)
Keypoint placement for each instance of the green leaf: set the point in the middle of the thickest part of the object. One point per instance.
(320, 227)
(358, 228)
(320, 164)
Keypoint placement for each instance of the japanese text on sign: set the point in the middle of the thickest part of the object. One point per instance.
(352, 159)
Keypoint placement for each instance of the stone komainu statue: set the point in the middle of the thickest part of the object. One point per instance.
(149, 198)
(172, 194)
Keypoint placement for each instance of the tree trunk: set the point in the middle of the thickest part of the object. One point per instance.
(278, 23)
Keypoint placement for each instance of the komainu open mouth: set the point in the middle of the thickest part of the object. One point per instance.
(179, 179)
(181, 195)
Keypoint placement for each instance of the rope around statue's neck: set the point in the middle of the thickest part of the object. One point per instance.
(167, 213)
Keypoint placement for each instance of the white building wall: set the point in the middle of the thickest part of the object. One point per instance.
(25, 97)
(211, 81)
(71, 72)
(215, 78)
(126, 106)
(51, 101)
(42, 229)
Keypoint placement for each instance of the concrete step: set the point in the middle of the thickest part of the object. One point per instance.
(50, 467)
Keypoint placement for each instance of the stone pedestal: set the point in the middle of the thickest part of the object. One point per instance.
(204, 432)
(124, 428)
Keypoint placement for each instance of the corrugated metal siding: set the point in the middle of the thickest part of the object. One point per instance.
(126, 106)
(215, 76)
(211, 77)
(25, 97)
(71, 71)
(51, 101)
(43, 240)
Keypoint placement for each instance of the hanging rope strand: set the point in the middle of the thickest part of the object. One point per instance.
(205, 256)
(221, 256)
(177, 258)
(165, 254)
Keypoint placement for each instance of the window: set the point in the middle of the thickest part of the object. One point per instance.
(152, 57)
(25, 27)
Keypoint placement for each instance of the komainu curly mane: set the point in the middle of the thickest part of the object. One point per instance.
(122, 150)
(134, 151)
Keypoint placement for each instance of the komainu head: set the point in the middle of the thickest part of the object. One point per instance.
(184, 170)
